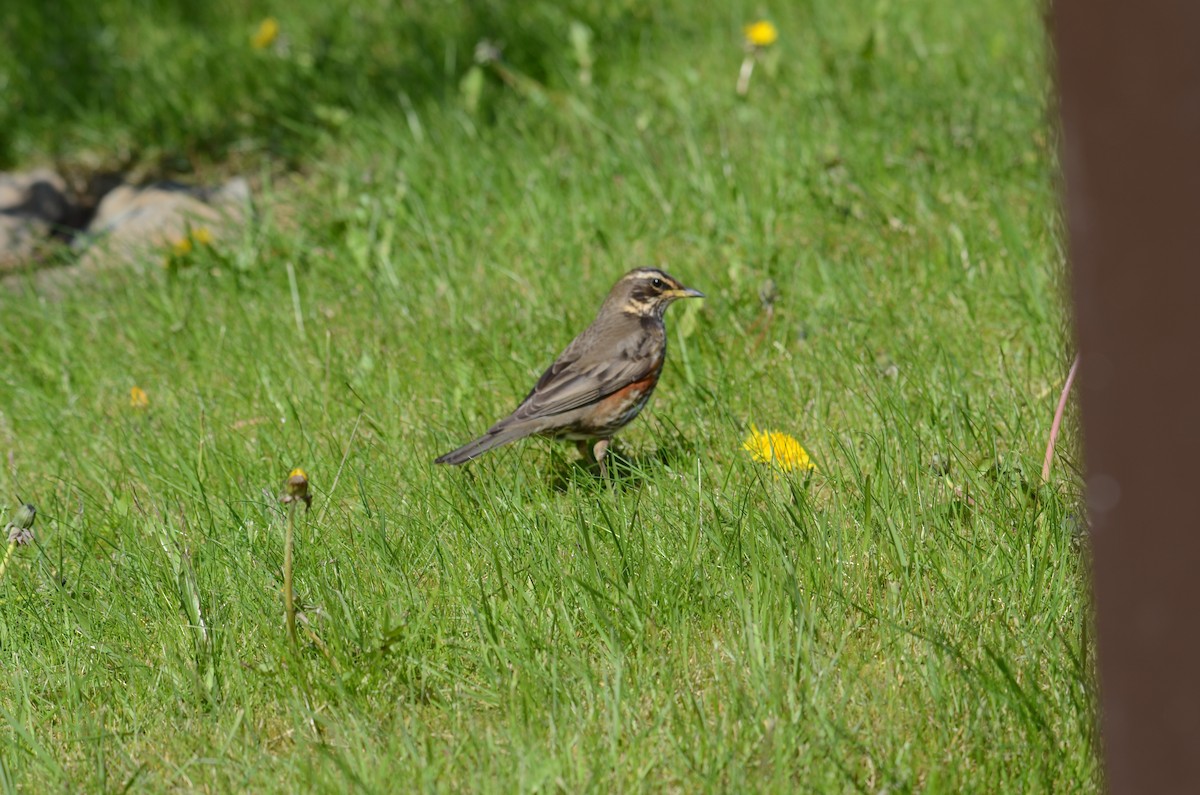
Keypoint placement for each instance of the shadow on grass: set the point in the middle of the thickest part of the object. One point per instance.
(627, 470)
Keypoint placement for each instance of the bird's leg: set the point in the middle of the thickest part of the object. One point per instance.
(600, 448)
(595, 452)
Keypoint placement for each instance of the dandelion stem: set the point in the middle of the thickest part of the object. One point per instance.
(743, 83)
(289, 603)
(295, 288)
(7, 554)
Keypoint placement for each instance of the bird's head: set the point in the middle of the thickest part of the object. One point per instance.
(647, 292)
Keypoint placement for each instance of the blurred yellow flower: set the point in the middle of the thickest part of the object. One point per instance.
(182, 247)
(761, 33)
(138, 397)
(266, 34)
(775, 447)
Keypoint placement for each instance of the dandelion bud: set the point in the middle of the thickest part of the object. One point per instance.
(20, 529)
(25, 516)
(297, 488)
(297, 484)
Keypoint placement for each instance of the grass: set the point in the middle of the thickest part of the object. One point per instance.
(912, 617)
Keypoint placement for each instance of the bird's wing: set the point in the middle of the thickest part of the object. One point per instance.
(581, 376)
(597, 363)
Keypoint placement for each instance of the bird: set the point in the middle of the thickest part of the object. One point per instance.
(600, 382)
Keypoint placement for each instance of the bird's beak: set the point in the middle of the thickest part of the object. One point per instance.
(686, 292)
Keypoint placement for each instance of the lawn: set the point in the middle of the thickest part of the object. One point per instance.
(876, 226)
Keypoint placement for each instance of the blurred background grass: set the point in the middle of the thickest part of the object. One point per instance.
(187, 82)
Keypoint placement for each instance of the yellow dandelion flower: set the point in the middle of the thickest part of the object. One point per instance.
(775, 447)
(264, 37)
(202, 236)
(138, 397)
(761, 33)
(182, 247)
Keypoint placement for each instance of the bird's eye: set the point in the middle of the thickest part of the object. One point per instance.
(657, 283)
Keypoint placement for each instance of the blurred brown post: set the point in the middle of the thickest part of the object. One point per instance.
(1129, 87)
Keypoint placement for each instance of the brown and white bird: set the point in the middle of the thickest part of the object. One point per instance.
(604, 377)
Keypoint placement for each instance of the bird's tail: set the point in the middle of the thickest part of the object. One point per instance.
(497, 435)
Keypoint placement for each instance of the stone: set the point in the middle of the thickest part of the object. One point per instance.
(32, 206)
(137, 225)
(131, 226)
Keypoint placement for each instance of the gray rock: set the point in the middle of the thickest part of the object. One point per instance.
(32, 205)
(132, 224)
